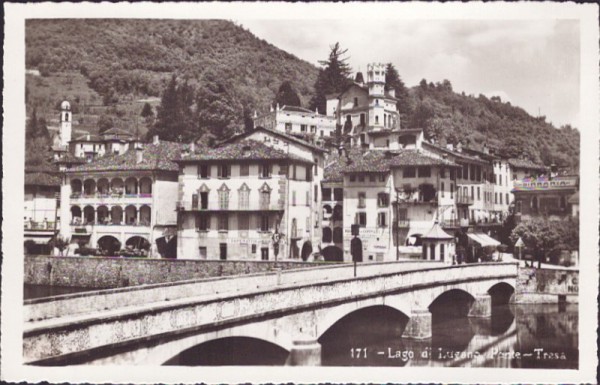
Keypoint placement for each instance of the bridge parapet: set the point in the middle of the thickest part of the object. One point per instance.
(93, 301)
(68, 337)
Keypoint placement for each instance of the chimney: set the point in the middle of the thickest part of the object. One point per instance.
(450, 146)
(155, 139)
(139, 155)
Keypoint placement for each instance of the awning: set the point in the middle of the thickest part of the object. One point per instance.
(40, 240)
(483, 239)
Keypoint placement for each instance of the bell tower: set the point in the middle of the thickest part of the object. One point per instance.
(376, 84)
(66, 117)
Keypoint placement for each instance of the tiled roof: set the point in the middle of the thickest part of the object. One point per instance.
(277, 133)
(369, 161)
(415, 158)
(461, 155)
(41, 179)
(524, 163)
(84, 138)
(155, 157)
(334, 167)
(246, 149)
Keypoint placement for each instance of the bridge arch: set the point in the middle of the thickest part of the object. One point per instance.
(231, 350)
(332, 316)
(501, 293)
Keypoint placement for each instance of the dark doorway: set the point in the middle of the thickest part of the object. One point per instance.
(264, 253)
(223, 251)
(333, 254)
(306, 250)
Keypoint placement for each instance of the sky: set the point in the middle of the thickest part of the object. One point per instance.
(534, 64)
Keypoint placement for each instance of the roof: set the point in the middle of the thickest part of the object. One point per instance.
(155, 157)
(525, 163)
(276, 133)
(369, 161)
(334, 168)
(436, 232)
(41, 179)
(461, 155)
(44, 167)
(416, 158)
(296, 109)
(246, 149)
(387, 131)
(116, 131)
(88, 138)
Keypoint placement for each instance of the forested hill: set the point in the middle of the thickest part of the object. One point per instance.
(124, 59)
(447, 116)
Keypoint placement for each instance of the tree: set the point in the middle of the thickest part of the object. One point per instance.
(541, 235)
(105, 122)
(175, 116)
(36, 127)
(287, 96)
(147, 111)
(333, 77)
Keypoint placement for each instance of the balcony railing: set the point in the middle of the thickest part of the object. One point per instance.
(464, 200)
(31, 225)
(231, 206)
(454, 223)
(108, 223)
(117, 195)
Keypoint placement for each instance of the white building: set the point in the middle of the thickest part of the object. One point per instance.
(235, 198)
(124, 200)
(297, 121)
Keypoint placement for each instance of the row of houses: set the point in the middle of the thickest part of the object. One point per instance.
(289, 189)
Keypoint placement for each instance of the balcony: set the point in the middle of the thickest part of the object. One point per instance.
(455, 223)
(111, 198)
(109, 223)
(464, 200)
(39, 226)
(232, 206)
(402, 224)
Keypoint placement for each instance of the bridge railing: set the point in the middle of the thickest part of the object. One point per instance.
(85, 302)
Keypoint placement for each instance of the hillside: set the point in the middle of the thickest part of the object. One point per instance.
(447, 116)
(125, 60)
(109, 70)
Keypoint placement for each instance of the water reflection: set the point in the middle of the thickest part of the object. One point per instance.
(516, 336)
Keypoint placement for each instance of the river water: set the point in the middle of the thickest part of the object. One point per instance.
(543, 336)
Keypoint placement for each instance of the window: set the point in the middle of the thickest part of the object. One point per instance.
(507, 200)
(265, 196)
(472, 192)
(244, 197)
(293, 198)
(202, 252)
(459, 173)
(478, 173)
(244, 222)
(376, 118)
(322, 133)
(363, 119)
(362, 198)
(443, 189)
(202, 222)
(316, 193)
(371, 177)
(355, 102)
(465, 171)
(313, 129)
(224, 171)
(327, 235)
(264, 222)
(472, 172)
(479, 193)
(381, 220)
(303, 128)
(204, 200)
(451, 191)
(361, 219)
(500, 198)
(194, 201)
(409, 172)
(265, 171)
(495, 198)
(326, 194)
(224, 197)
(223, 251)
(307, 223)
(442, 172)
(383, 199)
(361, 177)
(352, 177)
(307, 198)
(244, 169)
(382, 177)
(338, 194)
(223, 222)
(424, 172)
(254, 249)
(288, 127)
(204, 171)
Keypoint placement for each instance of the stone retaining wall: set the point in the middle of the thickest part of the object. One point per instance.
(106, 272)
(546, 285)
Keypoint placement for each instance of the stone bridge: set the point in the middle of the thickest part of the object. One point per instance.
(151, 324)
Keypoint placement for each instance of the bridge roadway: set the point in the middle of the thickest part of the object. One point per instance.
(151, 324)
